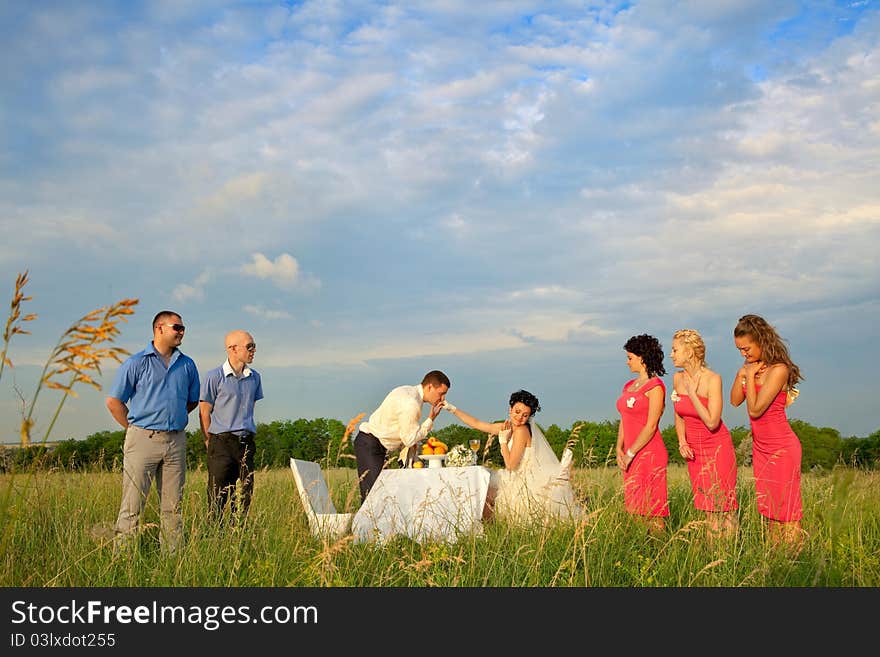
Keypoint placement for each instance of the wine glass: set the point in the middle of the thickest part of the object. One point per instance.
(474, 444)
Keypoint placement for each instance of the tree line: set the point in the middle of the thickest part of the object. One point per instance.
(323, 440)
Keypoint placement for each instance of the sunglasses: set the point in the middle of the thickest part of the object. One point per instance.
(179, 328)
(250, 346)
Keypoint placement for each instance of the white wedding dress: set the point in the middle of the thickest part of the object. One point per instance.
(538, 490)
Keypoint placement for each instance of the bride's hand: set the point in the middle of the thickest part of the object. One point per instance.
(504, 434)
(449, 407)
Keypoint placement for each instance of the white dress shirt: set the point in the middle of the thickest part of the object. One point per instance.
(396, 422)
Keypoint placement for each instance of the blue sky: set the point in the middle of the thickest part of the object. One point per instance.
(505, 191)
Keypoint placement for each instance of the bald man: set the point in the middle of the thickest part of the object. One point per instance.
(226, 412)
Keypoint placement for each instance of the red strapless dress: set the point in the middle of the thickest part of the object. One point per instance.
(713, 468)
(644, 482)
(776, 459)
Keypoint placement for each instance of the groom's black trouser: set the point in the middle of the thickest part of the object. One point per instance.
(370, 455)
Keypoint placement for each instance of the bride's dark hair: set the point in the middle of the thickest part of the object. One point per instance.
(527, 398)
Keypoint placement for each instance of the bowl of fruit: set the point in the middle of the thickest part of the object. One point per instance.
(434, 452)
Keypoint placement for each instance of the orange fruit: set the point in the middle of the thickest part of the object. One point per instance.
(427, 449)
(440, 449)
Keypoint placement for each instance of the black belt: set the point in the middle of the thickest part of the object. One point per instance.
(232, 434)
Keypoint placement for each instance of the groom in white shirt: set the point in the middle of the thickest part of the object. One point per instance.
(396, 424)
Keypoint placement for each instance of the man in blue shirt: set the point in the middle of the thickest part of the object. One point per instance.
(226, 414)
(152, 396)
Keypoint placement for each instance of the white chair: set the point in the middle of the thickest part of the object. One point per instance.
(565, 464)
(324, 521)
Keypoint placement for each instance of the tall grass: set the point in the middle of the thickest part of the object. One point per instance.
(74, 361)
(53, 541)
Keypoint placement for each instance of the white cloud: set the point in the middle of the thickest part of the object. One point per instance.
(93, 80)
(284, 271)
(357, 350)
(266, 313)
(195, 290)
(544, 292)
(185, 292)
(238, 191)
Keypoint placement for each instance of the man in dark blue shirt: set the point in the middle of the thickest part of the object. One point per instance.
(152, 396)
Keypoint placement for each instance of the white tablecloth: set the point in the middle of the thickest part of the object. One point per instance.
(427, 504)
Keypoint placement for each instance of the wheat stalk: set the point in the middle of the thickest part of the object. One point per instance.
(490, 438)
(79, 352)
(349, 429)
(15, 318)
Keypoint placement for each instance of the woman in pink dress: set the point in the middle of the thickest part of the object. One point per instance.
(703, 439)
(641, 453)
(766, 382)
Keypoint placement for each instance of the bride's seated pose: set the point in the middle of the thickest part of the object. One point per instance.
(532, 486)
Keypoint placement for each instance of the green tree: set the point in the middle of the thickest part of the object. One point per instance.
(862, 452)
(597, 441)
(739, 434)
(316, 440)
(670, 439)
(820, 447)
(196, 452)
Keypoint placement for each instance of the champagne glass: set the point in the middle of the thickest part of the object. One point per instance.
(474, 444)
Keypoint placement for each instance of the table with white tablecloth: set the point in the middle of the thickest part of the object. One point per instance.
(425, 504)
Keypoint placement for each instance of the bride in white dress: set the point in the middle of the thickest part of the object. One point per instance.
(533, 486)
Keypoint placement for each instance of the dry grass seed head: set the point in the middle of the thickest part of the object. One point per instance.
(15, 319)
(352, 425)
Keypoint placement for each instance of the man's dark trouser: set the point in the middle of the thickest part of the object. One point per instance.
(370, 455)
(230, 459)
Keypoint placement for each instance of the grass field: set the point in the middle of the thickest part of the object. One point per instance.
(50, 540)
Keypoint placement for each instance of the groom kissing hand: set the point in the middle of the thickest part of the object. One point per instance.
(397, 424)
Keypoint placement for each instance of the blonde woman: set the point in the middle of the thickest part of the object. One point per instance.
(766, 383)
(703, 439)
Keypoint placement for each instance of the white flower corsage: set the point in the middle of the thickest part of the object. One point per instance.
(630, 402)
(674, 396)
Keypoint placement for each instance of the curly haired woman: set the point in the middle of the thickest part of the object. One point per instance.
(641, 454)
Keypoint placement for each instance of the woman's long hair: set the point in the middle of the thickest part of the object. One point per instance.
(773, 347)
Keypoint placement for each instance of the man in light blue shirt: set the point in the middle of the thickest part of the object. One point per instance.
(226, 414)
(151, 398)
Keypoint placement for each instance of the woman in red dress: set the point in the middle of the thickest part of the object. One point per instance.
(641, 453)
(766, 382)
(703, 439)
